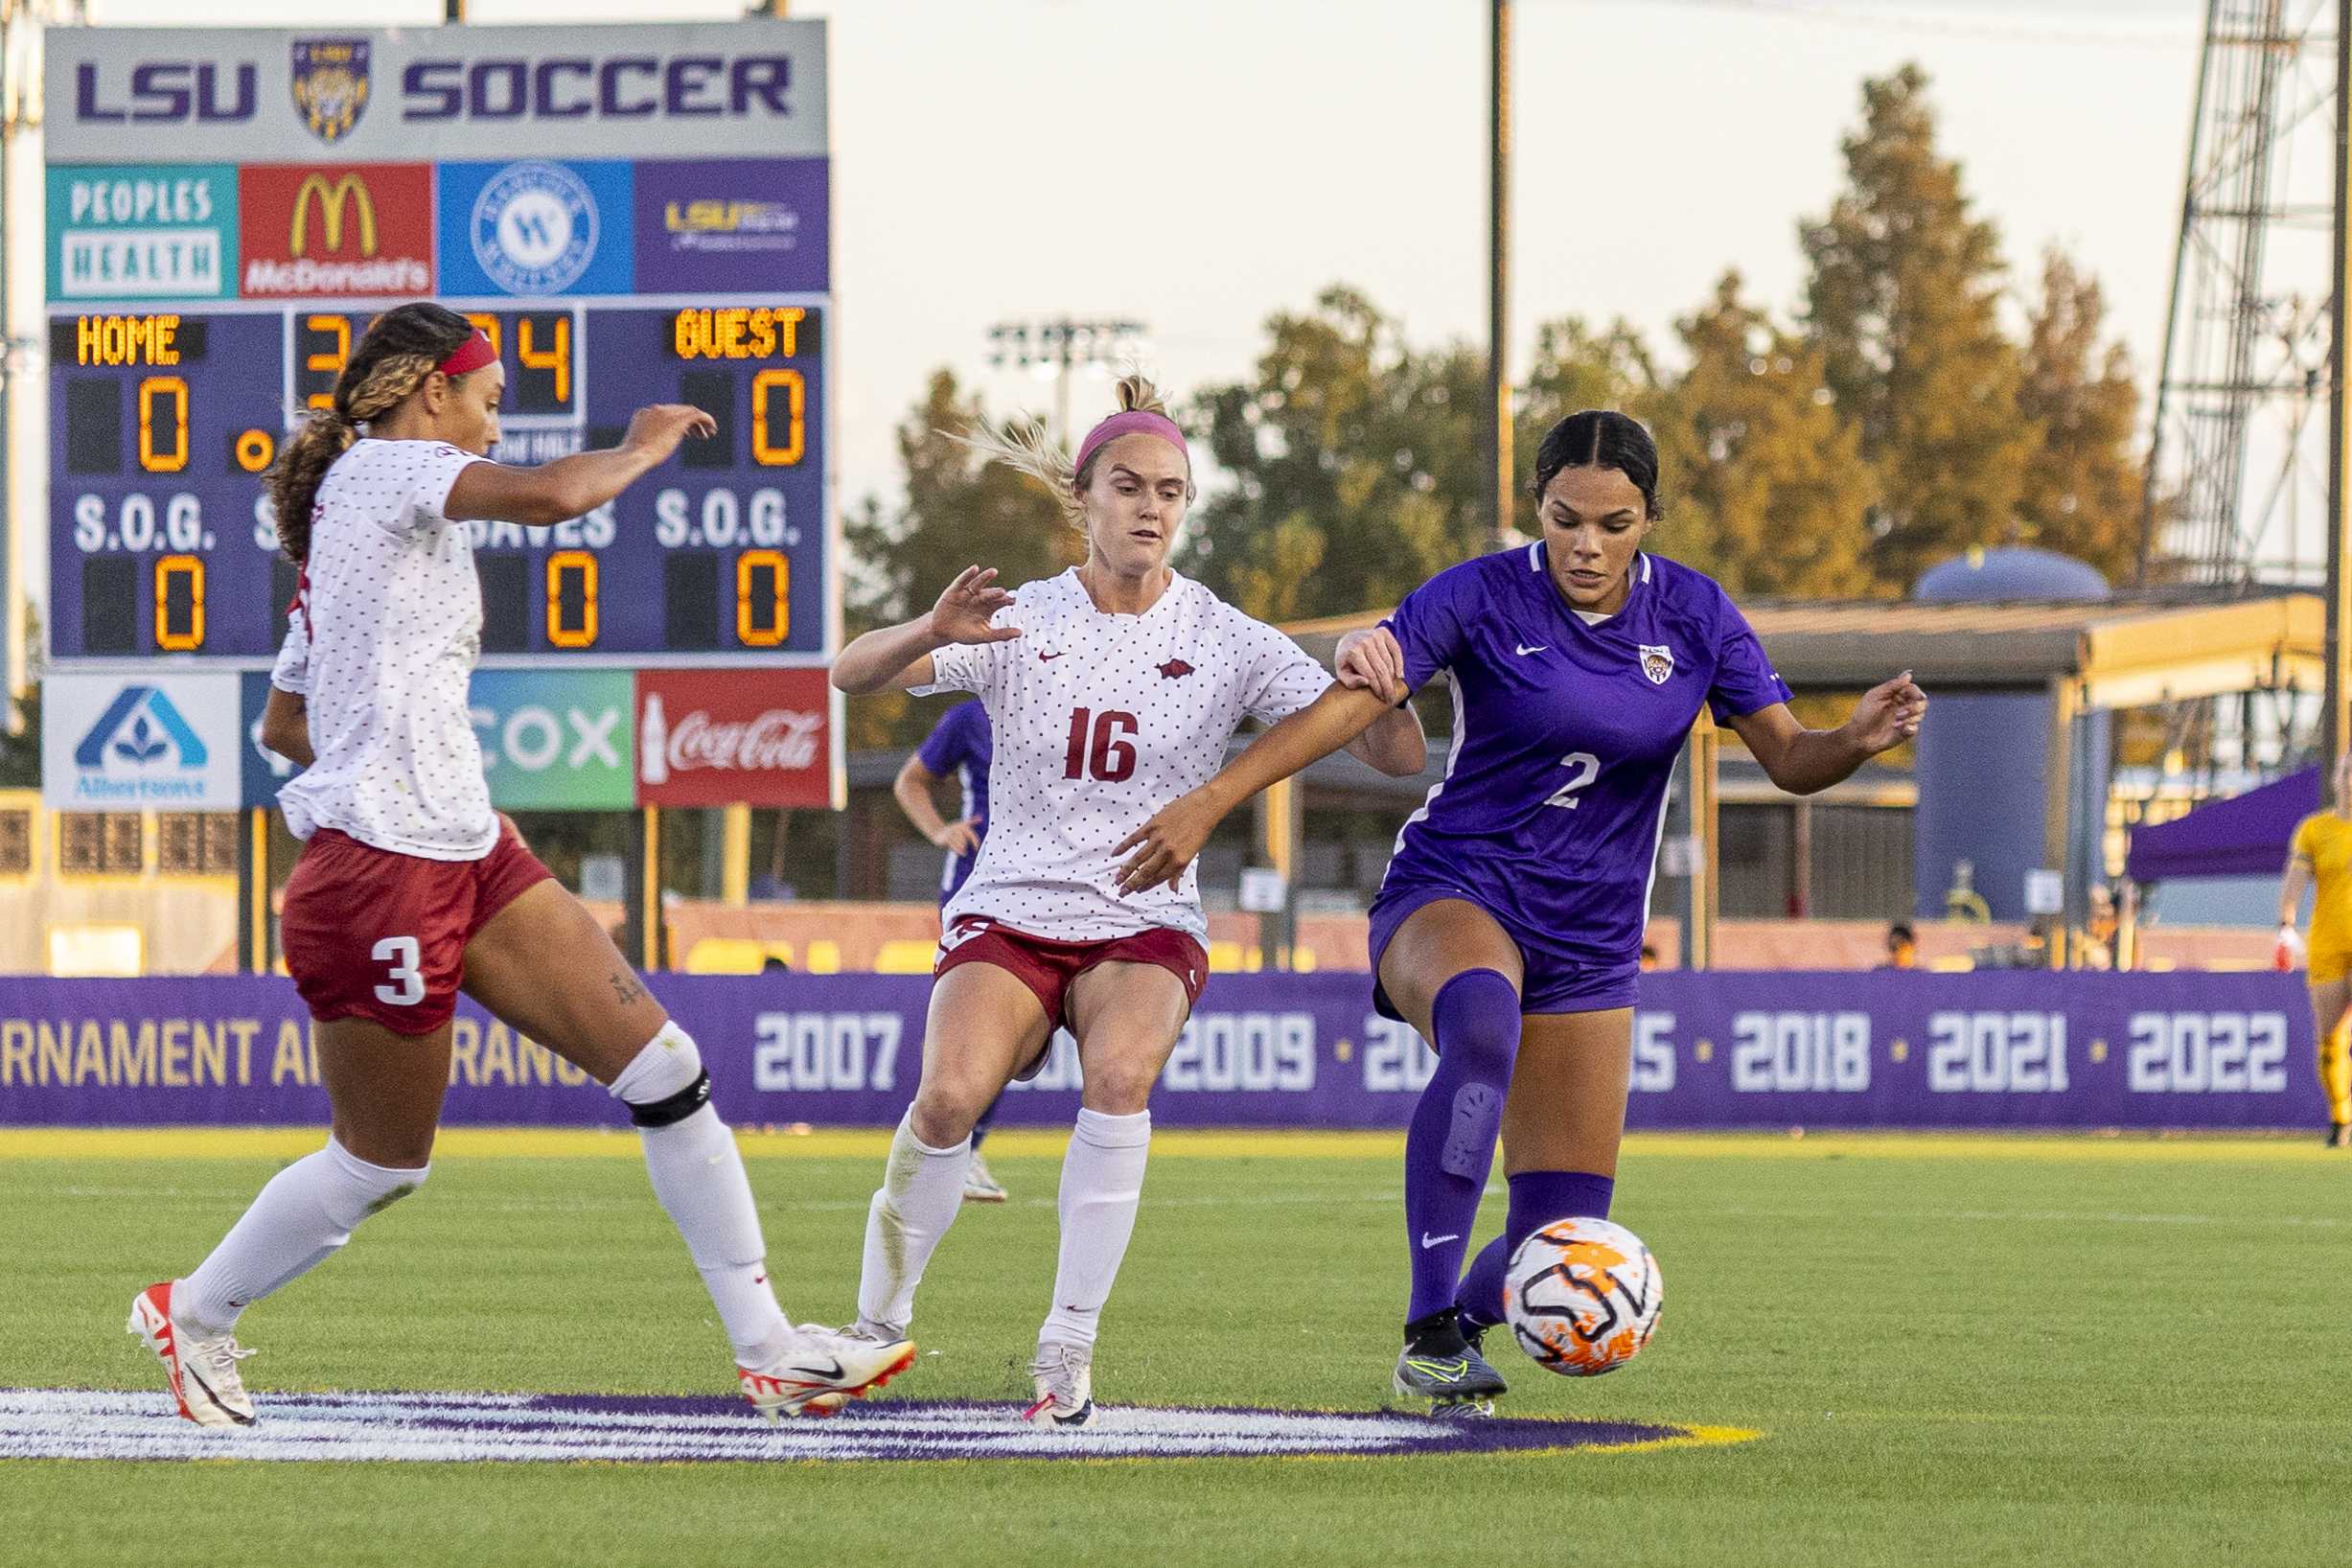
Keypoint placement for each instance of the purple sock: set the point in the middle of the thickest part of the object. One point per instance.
(1449, 1145)
(1537, 1198)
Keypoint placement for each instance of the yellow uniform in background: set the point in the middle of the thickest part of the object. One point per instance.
(2323, 842)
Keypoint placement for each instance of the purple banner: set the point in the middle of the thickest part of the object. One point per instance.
(750, 226)
(1727, 1050)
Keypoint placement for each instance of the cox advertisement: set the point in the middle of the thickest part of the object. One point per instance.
(551, 739)
(1730, 1050)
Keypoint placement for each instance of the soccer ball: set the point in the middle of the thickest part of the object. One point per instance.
(1582, 1296)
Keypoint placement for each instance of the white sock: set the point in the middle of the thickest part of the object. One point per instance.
(698, 1174)
(308, 1211)
(921, 1193)
(1102, 1182)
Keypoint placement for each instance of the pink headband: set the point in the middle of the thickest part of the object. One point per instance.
(1130, 422)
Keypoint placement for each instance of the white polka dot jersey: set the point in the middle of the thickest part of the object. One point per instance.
(383, 652)
(1100, 720)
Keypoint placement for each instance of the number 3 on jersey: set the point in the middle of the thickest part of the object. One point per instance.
(1098, 747)
(1587, 769)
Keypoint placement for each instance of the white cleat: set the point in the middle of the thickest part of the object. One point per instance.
(1065, 1379)
(202, 1373)
(980, 1185)
(822, 1370)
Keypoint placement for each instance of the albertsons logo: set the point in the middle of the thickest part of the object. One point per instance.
(141, 748)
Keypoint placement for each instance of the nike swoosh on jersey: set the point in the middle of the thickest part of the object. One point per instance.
(1524, 650)
(1047, 659)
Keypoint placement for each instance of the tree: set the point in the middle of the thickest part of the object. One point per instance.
(1903, 304)
(959, 511)
(1351, 465)
(2083, 485)
(1767, 490)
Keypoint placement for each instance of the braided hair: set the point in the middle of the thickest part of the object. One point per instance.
(401, 349)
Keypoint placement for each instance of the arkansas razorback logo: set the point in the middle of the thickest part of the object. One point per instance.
(1175, 669)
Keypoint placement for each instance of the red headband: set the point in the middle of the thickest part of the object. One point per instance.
(472, 354)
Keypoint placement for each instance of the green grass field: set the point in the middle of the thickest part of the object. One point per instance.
(1958, 1349)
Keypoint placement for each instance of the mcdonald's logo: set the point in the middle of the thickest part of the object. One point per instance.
(352, 229)
(332, 199)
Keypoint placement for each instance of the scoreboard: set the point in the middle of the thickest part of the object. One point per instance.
(161, 423)
(632, 214)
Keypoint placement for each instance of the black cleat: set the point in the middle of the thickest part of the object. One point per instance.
(1442, 1365)
(2339, 1135)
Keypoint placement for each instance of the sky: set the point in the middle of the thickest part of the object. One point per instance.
(1199, 166)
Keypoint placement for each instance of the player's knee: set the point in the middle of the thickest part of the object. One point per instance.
(1475, 1016)
(664, 1083)
(943, 1114)
(1118, 1089)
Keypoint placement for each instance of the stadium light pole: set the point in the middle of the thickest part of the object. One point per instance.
(2333, 727)
(1498, 270)
(1059, 345)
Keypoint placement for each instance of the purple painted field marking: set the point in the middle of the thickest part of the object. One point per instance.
(81, 1424)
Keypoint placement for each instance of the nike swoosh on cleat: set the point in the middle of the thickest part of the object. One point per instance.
(1441, 1368)
(1428, 1242)
(822, 1374)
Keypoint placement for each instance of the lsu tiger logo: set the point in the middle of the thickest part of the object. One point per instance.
(330, 84)
(1657, 662)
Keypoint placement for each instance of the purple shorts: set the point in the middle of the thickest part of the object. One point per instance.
(1553, 981)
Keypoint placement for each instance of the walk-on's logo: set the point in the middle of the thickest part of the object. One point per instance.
(142, 231)
(164, 740)
(533, 228)
(330, 84)
(1657, 662)
(346, 229)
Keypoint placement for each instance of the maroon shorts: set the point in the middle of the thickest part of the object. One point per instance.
(1046, 967)
(369, 933)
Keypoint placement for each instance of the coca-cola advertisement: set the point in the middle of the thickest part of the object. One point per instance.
(734, 738)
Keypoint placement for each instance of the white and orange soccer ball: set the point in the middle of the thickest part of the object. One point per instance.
(1582, 1296)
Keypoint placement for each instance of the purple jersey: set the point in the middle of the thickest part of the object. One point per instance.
(961, 744)
(1566, 736)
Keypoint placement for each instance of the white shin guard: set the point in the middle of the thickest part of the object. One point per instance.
(1103, 1184)
(921, 1193)
(298, 1221)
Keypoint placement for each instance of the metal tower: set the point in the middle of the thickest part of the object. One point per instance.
(2238, 460)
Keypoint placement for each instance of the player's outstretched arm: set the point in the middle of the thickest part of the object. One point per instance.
(1807, 761)
(1167, 845)
(900, 654)
(570, 487)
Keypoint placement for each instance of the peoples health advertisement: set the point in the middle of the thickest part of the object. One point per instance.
(2010, 1049)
